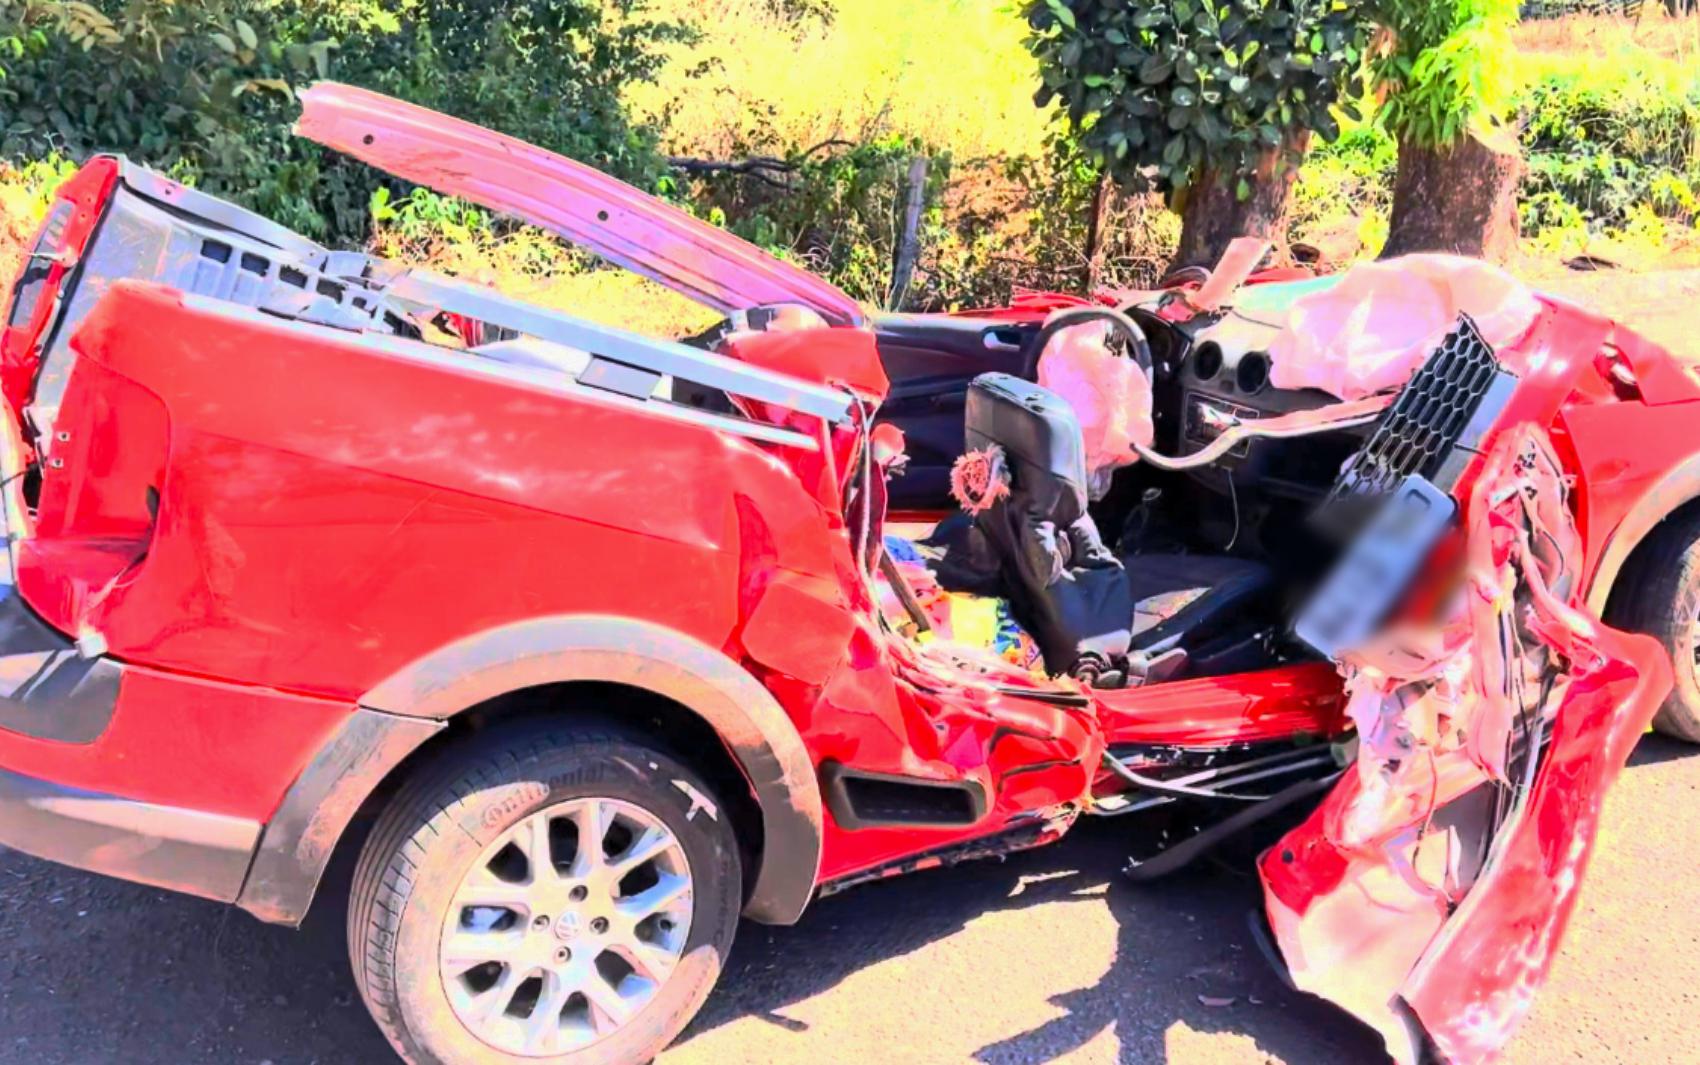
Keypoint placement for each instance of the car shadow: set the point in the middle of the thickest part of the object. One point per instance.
(1655, 748)
(190, 981)
(1185, 955)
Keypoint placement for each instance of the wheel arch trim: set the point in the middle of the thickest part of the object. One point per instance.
(407, 708)
(1675, 490)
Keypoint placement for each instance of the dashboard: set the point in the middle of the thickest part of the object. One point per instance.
(1214, 373)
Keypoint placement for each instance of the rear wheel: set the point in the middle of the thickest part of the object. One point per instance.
(544, 894)
(1660, 596)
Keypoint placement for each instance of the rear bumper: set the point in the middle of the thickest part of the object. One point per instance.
(169, 847)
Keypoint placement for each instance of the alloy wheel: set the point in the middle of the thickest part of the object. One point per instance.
(566, 927)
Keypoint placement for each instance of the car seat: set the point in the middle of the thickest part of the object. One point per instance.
(1093, 615)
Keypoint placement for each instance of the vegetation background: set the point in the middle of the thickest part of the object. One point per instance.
(793, 123)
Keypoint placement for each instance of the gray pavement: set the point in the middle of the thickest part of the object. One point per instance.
(1050, 956)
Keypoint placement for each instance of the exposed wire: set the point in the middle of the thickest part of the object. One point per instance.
(1234, 498)
(1237, 313)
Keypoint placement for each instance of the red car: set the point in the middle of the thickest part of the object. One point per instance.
(592, 643)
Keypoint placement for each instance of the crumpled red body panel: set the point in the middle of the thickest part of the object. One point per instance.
(1427, 894)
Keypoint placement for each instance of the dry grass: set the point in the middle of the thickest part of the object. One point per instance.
(1655, 32)
(950, 73)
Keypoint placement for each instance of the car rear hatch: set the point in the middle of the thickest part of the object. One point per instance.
(81, 488)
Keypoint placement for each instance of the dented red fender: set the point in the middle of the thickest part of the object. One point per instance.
(1429, 891)
(609, 217)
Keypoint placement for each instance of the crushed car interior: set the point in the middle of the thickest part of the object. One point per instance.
(819, 597)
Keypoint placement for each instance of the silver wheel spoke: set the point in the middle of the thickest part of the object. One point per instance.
(653, 843)
(592, 831)
(491, 1003)
(487, 891)
(667, 891)
(544, 1025)
(608, 1008)
(515, 928)
(466, 949)
(533, 840)
(650, 961)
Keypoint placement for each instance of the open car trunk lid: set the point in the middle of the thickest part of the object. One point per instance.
(616, 221)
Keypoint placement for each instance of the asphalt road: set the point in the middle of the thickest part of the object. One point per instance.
(1048, 956)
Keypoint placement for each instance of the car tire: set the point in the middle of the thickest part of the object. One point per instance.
(1659, 594)
(456, 829)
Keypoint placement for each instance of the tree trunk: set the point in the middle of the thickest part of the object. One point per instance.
(1461, 199)
(1213, 214)
(1095, 233)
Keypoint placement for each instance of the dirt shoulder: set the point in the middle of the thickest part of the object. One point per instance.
(1662, 304)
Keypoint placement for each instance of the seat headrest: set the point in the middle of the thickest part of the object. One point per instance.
(1035, 427)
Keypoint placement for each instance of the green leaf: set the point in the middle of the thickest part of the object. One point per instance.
(224, 42)
(1062, 13)
(246, 33)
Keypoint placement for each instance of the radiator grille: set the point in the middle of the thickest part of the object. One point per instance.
(1439, 410)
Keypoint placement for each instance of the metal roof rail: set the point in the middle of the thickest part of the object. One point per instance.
(614, 352)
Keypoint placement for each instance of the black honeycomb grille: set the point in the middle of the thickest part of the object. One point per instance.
(1420, 431)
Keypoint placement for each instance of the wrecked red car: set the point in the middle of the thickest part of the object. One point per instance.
(590, 643)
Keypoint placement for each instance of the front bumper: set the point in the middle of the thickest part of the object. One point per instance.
(182, 850)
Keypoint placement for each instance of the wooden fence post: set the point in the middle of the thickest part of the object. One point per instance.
(908, 250)
(1095, 233)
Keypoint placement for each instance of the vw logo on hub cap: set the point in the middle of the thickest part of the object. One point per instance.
(567, 926)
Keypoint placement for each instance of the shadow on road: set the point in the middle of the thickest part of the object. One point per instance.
(1179, 942)
(1654, 749)
(93, 970)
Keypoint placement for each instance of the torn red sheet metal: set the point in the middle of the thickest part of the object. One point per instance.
(1428, 893)
(616, 221)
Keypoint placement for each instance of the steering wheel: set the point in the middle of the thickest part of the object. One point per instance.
(1126, 338)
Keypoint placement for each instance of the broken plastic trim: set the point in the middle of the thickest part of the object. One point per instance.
(1378, 901)
(1286, 427)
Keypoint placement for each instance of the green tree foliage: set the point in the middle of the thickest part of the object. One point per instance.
(206, 89)
(1184, 86)
(1443, 66)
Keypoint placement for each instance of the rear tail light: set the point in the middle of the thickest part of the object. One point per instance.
(38, 268)
(41, 289)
